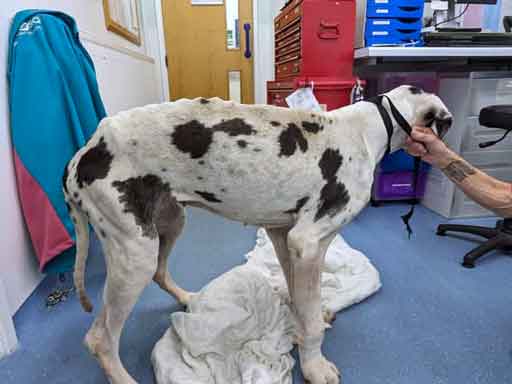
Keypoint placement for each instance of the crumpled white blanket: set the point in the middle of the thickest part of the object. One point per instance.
(239, 328)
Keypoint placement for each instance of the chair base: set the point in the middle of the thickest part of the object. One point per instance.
(499, 238)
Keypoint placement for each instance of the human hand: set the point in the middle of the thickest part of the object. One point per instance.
(426, 144)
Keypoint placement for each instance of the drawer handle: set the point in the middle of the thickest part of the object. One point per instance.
(329, 31)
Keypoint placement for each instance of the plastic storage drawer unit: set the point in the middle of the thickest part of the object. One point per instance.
(394, 22)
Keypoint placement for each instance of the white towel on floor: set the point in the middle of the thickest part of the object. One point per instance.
(239, 328)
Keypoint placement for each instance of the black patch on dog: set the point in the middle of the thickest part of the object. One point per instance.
(312, 127)
(257, 149)
(68, 206)
(134, 143)
(275, 123)
(94, 164)
(192, 138)
(330, 163)
(75, 195)
(223, 189)
(65, 175)
(79, 203)
(143, 196)
(200, 162)
(100, 219)
(234, 127)
(330, 121)
(208, 197)
(416, 90)
(102, 233)
(298, 206)
(334, 195)
(242, 143)
(290, 138)
(430, 116)
(73, 219)
(204, 101)
(164, 169)
(199, 178)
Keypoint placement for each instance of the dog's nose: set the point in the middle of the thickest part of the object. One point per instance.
(443, 125)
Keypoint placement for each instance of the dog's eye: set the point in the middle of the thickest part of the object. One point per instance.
(429, 116)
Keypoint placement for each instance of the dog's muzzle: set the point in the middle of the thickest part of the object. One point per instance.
(443, 125)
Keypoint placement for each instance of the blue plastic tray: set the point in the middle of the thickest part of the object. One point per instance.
(399, 3)
(389, 38)
(395, 11)
(393, 25)
(400, 161)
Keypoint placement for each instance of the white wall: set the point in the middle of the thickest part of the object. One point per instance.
(264, 13)
(129, 76)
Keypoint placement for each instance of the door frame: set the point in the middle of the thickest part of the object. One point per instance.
(263, 41)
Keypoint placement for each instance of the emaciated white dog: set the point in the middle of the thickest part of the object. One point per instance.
(300, 175)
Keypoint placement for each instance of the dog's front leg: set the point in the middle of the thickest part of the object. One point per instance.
(307, 245)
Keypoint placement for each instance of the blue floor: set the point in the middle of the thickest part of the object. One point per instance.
(433, 322)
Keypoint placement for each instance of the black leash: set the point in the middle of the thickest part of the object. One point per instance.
(404, 124)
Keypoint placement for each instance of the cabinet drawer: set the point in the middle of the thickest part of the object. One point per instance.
(288, 57)
(476, 134)
(486, 92)
(291, 68)
(287, 17)
(288, 42)
(285, 86)
(289, 35)
(293, 46)
(278, 98)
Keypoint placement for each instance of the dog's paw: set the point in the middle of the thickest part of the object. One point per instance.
(329, 316)
(319, 370)
(186, 297)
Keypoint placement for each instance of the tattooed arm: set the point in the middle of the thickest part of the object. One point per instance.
(487, 191)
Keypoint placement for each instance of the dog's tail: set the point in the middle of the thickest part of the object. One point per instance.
(81, 224)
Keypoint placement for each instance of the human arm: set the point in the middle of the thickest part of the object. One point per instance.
(487, 191)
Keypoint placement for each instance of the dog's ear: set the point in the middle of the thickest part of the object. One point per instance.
(415, 90)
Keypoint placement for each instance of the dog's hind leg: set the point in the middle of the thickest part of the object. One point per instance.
(131, 263)
(170, 221)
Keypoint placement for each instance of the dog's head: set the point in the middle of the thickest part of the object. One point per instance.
(420, 108)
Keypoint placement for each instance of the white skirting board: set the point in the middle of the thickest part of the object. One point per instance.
(8, 339)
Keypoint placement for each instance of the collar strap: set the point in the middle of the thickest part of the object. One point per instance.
(388, 123)
(386, 118)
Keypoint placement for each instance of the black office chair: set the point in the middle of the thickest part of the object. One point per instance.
(499, 237)
(507, 23)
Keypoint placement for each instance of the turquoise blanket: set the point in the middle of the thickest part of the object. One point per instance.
(55, 107)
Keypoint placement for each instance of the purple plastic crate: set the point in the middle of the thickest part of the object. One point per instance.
(398, 186)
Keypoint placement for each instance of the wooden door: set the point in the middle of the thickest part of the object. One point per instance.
(208, 50)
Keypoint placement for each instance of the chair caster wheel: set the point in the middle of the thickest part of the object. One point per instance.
(468, 264)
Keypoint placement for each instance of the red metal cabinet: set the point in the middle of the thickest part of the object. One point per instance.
(315, 38)
(314, 44)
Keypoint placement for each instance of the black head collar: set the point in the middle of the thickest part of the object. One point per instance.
(404, 124)
(388, 122)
